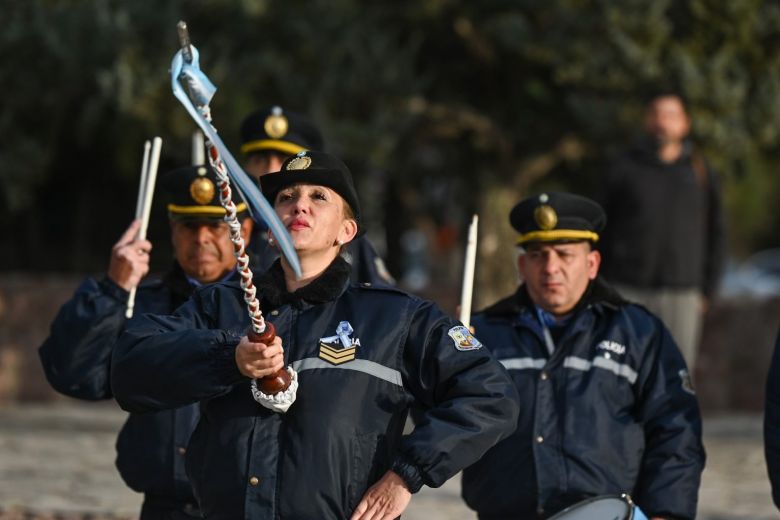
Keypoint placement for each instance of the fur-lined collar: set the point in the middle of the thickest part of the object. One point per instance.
(598, 292)
(326, 287)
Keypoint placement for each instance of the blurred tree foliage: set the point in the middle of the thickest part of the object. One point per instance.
(441, 107)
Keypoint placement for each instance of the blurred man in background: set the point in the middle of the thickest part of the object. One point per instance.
(665, 245)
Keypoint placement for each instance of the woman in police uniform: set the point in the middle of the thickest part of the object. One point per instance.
(363, 355)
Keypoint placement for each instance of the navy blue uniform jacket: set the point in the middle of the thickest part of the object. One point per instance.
(611, 411)
(344, 431)
(772, 423)
(681, 246)
(76, 358)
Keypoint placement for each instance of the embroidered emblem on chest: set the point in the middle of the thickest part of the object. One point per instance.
(340, 348)
(464, 340)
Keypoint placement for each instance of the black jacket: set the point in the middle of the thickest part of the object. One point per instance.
(665, 223)
(76, 359)
(344, 431)
(610, 412)
(772, 423)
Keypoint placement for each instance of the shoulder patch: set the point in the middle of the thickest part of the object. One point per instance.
(686, 381)
(464, 340)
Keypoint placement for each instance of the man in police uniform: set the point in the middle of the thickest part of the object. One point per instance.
(271, 135)
(77, 354)
(609, 408)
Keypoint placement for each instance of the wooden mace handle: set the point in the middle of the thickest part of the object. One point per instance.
(278, 381)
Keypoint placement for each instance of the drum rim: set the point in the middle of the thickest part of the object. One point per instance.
(626, 499)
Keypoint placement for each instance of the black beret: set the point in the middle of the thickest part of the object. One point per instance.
(557, 217)
(280, 131)
(192, 192)
(317, 168)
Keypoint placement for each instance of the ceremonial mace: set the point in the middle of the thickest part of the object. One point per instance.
(276, 391)
(144, 203)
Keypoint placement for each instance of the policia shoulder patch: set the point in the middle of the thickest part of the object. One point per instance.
(464, 340)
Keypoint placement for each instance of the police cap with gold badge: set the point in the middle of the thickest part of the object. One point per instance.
(557, 217)
(317, 168)
(278, 130)
(192, 193)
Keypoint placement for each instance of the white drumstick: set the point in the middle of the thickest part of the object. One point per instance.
(198, 149)
(148, 181)
(468, 273)
(139, 204)
(154, 162)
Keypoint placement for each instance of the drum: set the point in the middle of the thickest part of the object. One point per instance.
(608, 507)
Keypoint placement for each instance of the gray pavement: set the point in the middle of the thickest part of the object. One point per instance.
(56, 461)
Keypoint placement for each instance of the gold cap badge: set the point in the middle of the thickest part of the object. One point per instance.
(276, 125)
(202, 190)
(300, 162)
(545, 217)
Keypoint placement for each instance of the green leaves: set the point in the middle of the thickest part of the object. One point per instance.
(512, 94)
